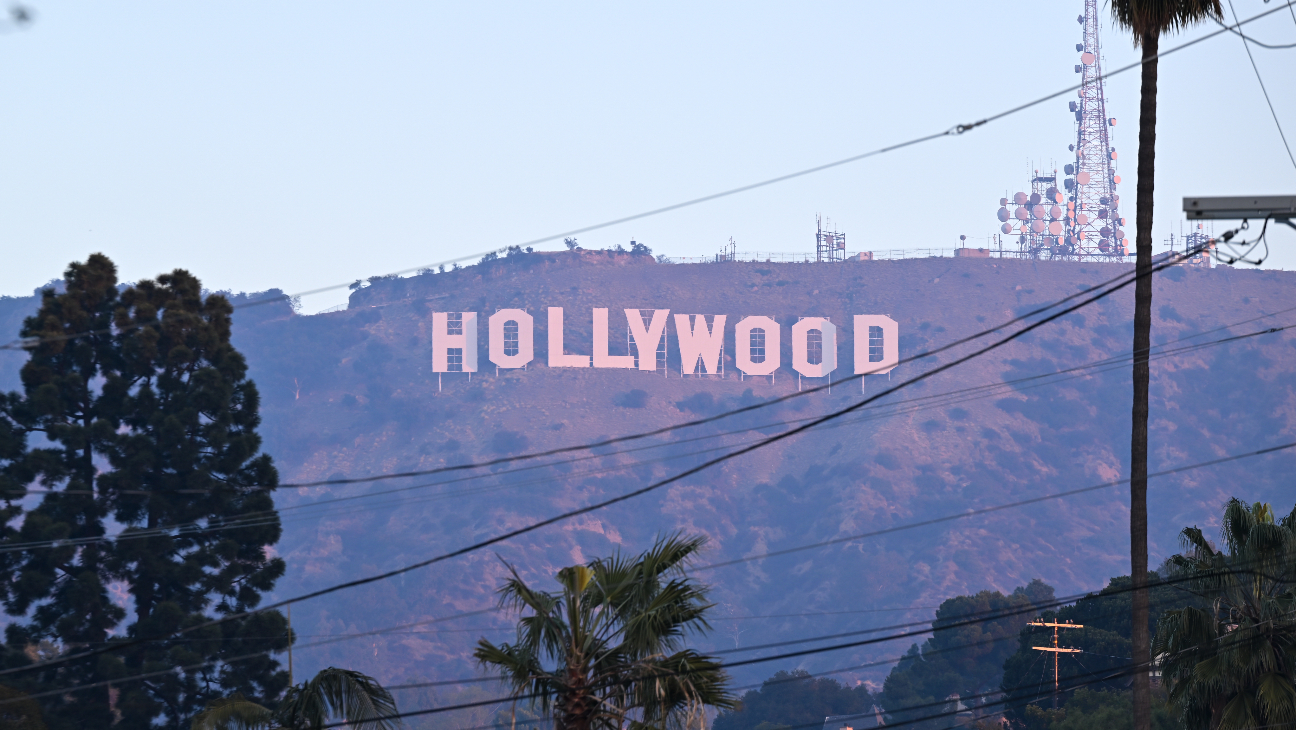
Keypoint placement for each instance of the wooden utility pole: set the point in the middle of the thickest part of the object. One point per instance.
(290, 643)
(1055, 649)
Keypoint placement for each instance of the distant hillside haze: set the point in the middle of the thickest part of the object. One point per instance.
(352, 394)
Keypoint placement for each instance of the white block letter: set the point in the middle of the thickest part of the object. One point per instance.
(601, 357)
(525, 338)
(877, 343)
(695, 341)
(459, 336)
(646, 341)
(762, 333)
(558, 358)
(801, 347)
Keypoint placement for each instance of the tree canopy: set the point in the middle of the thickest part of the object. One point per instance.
(793, 699)
(136, 414)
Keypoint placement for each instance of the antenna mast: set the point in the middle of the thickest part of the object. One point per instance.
(1093, 209)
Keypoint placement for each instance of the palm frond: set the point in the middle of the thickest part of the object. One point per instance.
(233, 713)
(347, 695)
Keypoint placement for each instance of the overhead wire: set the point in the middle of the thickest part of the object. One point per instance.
(1039, 606)
(955, 130)
(969, 619)
(516, 532)
(1271, 46)
(964, 395)
(1246, 44)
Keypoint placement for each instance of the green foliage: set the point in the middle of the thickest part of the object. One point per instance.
(1105, 640)
(795, 699)
(1232, 663)
(18, 711)
(1095, 710)
(962, 660)
(607, 649)
(349, 696)
(138, 411)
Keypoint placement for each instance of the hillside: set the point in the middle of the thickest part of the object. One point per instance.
(351, 394)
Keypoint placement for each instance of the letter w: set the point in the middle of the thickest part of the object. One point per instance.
(695, 341)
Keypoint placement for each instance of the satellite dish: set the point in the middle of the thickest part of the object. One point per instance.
(1083, 178)
(1020, 198)
(1003, 214)
(1113, 154)
(1115, 179)
(962, 238)
(1037, 211)
(1006, 228)
(1082, 219)
(1035, 197)
(1120, 235)
(1051, 193)
(1055, 212)
(1003, 201)
(1104, 246)
(1087, 58)
(1104, 231)
(1055, 228)
(1021, 214)
(1037, 226)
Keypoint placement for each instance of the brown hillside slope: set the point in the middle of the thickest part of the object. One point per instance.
(352, 394)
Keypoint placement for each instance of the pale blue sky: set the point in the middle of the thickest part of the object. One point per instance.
(303, 144)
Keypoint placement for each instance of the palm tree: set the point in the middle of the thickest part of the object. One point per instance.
(1233, 666)
(339, 693)
(606, 650)
(1147, 20)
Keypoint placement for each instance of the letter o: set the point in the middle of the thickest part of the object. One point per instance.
(742, 345)
(525, 343)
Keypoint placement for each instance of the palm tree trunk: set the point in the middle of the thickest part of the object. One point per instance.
(1139, 639)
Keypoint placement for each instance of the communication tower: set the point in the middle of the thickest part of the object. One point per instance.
(1076, 218)
(1037, 217)
(829, 245)
(1093, 207)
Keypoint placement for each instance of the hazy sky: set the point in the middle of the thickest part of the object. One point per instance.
(298, 145)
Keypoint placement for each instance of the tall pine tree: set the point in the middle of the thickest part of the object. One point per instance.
(148, 423)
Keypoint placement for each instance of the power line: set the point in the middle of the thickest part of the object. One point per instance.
(1254, 67)
(653, 486)
(953, 131)
(956, 130)
(965, 620)
(997, 508)
(1271, 46)
(255, 519)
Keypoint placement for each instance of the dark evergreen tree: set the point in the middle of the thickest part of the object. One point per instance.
(151, 422)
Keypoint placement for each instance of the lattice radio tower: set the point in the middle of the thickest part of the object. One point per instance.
(1093, 207)
(829, 245)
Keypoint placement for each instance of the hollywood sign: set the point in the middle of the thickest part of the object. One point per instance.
(758, 342)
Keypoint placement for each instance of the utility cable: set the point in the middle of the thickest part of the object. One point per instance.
(964, 395)
(1271, 46)
(965, 620)
(646, 489)
(1254, 67)
(956, 130)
